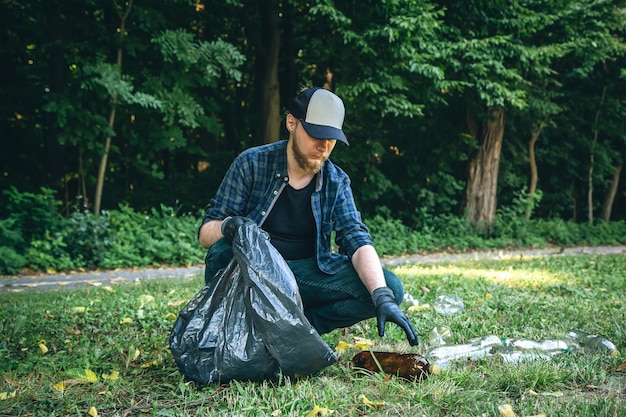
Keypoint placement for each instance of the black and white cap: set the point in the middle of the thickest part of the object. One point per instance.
(321, 113)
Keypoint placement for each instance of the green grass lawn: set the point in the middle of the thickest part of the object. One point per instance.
(63, 352)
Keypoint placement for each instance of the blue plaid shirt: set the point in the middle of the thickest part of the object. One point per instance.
(254, 182)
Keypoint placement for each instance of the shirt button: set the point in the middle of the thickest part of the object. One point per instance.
(263, 213)
(275, 192)
(286, 179)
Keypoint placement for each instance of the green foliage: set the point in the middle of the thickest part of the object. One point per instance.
(391, 237)
(32, 214)
(11, 262)
(122, 238)
(126, 238)
(161, 238)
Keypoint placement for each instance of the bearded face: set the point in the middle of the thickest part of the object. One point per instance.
(311, 165)
(310, 153)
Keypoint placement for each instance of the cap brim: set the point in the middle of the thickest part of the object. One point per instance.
(324, 132)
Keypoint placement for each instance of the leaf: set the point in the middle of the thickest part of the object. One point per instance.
(93, 412)
(79, 309)
(506, 410)
(420, 307)
(319, 411)
(176, 303)
(7, 394)
(126, 320)
(360, 343)
(146, 299)
(43, 347)
(149, 364)
(342, 346)
(367, 402)
(82, 375)
(61, 386)
(113, 376)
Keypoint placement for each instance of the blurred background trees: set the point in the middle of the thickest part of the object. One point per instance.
(452, 107)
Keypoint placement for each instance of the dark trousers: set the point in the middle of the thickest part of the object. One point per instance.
(330, 301)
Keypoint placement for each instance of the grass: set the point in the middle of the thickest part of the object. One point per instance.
(64, 352)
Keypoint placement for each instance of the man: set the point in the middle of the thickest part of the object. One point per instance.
(296, 194)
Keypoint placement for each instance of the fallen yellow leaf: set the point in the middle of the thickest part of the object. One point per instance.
(113, 376)
(420, 307)
(145, 299)
(6, 395)
(43, 347)
(93, 412)
(319, 411)
(506, 410)
(362, 344)
(60, 386)
(176, 303)
(342, 346)
(171, 316)
(79, 309)
(149, 364)
(126, 320)
(366, 401)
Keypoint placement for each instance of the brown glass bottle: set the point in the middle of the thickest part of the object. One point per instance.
(404, 365)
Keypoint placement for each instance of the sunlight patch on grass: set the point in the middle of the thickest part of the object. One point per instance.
(512, 278)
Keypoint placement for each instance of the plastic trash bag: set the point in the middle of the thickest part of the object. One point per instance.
(248, 322)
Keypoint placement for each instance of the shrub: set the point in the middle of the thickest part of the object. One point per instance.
(11, 262)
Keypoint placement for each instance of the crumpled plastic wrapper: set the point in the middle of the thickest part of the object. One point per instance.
(248, 323)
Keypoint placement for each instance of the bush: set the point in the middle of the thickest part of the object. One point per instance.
(11, 262)
(36, 236)
(33, 214)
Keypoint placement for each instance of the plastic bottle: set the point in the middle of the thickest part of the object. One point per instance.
(447, 305)
(579, 339)
(404, 365)
(439, 336)
(408, 298)
(474, 349)
(516, 350)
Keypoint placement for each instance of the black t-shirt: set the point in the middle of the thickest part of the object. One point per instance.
(291, 224)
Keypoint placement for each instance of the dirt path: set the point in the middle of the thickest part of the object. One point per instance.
(97, 278)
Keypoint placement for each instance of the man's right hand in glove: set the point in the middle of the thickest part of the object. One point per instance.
(231, 225)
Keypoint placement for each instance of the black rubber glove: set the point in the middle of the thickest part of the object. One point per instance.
(388, 310)
(231, 225)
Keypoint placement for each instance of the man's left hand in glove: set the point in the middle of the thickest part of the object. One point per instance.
(388, 310)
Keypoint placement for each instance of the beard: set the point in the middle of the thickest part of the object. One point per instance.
(311, 167)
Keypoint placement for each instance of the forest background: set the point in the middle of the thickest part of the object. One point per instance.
(470, 122)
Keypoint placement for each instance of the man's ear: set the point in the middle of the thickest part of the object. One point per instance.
(291, 123)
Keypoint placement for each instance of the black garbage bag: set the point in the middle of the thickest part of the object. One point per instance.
(248, 323)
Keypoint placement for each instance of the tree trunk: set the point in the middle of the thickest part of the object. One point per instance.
(592, 161)
(534, 176)
(266, 70)
(107, 141)
(607, 207)
(482, 181)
